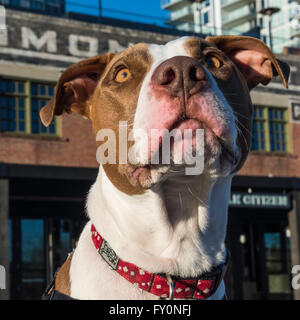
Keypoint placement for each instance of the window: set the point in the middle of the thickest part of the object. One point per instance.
(206, 17)
(24, 3)
(53, 2)
(38, 5)
(270, 129)
(20, 103)
(12, 105)
(258, 133)
(39, 95)
(277, 127)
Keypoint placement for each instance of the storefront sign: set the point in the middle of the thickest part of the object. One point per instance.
(62, 40)
(295, 111)
(260, 200)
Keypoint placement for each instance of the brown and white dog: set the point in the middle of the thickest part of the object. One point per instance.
(154, 216)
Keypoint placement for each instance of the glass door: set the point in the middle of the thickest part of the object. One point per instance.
(266, 262)
(278, 264)
(38, 248)
(60, 243)
(32, 258)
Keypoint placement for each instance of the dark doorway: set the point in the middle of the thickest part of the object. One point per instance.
(39, 246)
(260, 247)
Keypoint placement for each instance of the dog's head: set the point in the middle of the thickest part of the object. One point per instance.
(185, 85)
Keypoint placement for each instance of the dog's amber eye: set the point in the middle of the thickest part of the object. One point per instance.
(122, 75)
(215, 62)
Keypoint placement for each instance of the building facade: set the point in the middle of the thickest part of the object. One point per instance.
(237, 17)
(45, 173)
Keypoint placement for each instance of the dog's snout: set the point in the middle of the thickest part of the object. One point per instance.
(181, 76)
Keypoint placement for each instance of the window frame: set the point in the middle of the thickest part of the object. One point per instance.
(17, 95)
(266, 127)
(262, 120)
(28, 110)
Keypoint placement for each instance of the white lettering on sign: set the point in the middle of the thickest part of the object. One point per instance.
(247, 199)
(75, 40)
(2, 18)
(259, 200)
(3, 28)
(78, 45)
(48, 39)
(235, 199)
(115, 46)
(297, 111)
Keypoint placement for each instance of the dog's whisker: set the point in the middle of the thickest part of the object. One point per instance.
(239, 122)
(245, 140)
(180, 200)
(197, 198)
(235, 112)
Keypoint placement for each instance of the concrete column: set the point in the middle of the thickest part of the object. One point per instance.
(4, 236)
(294, 226)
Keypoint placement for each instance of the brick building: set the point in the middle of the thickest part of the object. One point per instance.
(45, 173)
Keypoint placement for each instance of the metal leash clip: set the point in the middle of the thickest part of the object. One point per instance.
(171, 287)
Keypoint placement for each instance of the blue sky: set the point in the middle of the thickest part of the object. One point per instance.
(146, 11)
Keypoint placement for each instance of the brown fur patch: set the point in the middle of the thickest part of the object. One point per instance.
(62, 281)
(120, 102)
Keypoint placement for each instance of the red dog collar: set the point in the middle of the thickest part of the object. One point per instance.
(201, 287)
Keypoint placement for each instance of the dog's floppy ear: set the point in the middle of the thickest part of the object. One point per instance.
(74, 87)
(253, 58)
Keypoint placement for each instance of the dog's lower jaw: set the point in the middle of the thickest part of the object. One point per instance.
(220, 163)
(162, 231)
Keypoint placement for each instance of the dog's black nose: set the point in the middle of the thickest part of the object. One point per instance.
(181, 76)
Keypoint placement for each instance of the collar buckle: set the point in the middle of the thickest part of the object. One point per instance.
(171, 287)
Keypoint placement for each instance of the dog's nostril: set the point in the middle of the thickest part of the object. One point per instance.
(169, 77)
(196, 73)
(193, 74)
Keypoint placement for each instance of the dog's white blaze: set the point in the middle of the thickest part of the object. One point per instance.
(159, 53)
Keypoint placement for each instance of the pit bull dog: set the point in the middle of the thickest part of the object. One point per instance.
(154, 231)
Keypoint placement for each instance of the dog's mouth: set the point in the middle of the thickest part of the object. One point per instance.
(146, 175)
(184, 123)
(143, 175)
